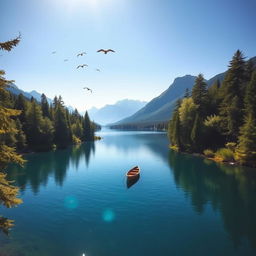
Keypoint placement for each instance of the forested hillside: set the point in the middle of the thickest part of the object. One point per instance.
(219, 120)
(43, 126)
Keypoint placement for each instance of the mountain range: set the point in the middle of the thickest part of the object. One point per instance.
(159, 109)
(36, 95)
(112, 113)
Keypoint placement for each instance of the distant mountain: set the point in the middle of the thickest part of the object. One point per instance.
(112, 113)
(159, 109)
(36, 95)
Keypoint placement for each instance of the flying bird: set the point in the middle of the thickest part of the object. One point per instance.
(80, 54)
(88, 89)
(105, 51)
(97, 69)
(54, 52)
(82, 66)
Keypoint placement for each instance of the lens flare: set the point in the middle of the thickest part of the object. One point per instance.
(108, 215)
(71, 202)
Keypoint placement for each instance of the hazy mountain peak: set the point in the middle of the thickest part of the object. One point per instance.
(113, 112)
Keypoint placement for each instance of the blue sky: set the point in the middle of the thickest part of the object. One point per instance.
(155, 41)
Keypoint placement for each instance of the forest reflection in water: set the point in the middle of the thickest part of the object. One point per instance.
(40, 167)
(231, 190)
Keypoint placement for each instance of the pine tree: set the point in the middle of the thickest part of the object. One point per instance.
(21, 104)
(88, 129)
(249, 68)
(20, 137)
(250, 96)
(200, 95)
(8, 192)
(196, 134)
(34, 123)
(62, 135)
(8, 45)
(246, 150)
(45, 106)
(233, 90)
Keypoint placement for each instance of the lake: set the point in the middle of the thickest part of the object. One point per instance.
(77, 201)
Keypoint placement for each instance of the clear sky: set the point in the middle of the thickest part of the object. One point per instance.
(155, 41)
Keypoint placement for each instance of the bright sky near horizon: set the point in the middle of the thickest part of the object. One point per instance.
(155, 41)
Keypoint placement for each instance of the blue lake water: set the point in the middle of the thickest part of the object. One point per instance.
(76, 201)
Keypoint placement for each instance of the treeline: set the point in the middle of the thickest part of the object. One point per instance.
(41, 126)
(220, 120)
(157, 126)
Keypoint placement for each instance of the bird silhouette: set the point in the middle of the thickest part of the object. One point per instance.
(80, 54)
(82, 66)
(105, 51)
(65, 60)
(54, 52)
(88, 89)
(97, 69)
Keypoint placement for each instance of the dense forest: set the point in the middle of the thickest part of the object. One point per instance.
(219, 120)
(41, 126)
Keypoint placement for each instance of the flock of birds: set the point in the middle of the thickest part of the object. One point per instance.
(105, 51)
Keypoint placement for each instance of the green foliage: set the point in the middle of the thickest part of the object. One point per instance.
(231, 146)
(8, 193)
(208, 153)
(75, 140)
(196, 134)
(200, 95)
(8, 45)
(174, 129)
(250, 97)
(223, 112)
(246, 149)
(233, 90)
(89, 128)
(187, 111)
(224, 155)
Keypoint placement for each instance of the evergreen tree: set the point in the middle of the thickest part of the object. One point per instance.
(246, 150)
(233, 90)
(62, 136)
(20, 137)
(21, 104)
(200, 95)
(196, 135)
(47, 133)
(8, 192)
(250, 97)
(9, 45)
(88, 129)
(34, 123)
(249, 68)
(45, 106)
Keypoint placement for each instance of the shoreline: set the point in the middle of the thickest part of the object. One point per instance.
(230, 163)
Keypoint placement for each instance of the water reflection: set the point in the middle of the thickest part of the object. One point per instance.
(40, 167)
(229, 190)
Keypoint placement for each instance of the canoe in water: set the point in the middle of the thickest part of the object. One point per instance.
(133, 173)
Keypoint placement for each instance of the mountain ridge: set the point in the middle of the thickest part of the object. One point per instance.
(159, 109)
